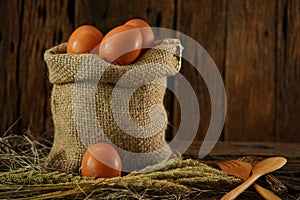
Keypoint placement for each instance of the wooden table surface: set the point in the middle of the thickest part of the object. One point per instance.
(289, 174)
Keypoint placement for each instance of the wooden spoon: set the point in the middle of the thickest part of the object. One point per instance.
(263, 167)
(242, 170)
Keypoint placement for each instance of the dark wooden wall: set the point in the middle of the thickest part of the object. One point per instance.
(255, 44)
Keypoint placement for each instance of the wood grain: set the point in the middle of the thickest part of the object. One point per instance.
(10, 13)
(250, 70)
(255, 45)
(204, 21)
(109, 14)
(39, 32)
(288, 72)
(289, 150)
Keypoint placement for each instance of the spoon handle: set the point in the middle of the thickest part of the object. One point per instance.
(241, 188)
(266, 194)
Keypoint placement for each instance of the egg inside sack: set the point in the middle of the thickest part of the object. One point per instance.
(145, 29)
(121, 45)
(101, 160)
(84, 39)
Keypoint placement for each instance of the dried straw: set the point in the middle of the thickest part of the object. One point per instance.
(22, 177)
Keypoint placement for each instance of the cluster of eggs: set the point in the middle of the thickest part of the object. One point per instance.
(122, 45)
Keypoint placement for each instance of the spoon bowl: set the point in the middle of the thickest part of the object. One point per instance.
(269, 165)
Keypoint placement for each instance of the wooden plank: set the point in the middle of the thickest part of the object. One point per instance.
(44, 24)
(205, 22)
(108, 14)
(289, 150)
(10, 13)
(259, 68)
(250, 70)
(288, 72)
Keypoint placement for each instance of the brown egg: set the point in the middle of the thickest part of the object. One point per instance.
(84, 39)
(146, 31)
(121, 45)
(101, 161)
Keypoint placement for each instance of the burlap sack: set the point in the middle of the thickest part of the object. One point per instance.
(81, 102)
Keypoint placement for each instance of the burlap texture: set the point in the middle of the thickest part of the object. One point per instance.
(72, 74)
